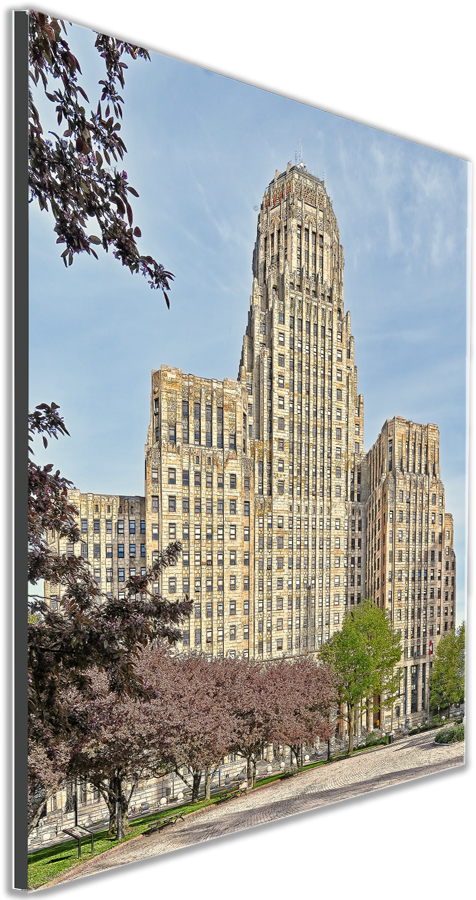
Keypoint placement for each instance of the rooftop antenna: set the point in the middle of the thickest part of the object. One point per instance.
(298, 155)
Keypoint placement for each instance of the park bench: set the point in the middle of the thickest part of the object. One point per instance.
(162, 823)
(231, 795)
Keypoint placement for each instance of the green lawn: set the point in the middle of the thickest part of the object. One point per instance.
(44, 865)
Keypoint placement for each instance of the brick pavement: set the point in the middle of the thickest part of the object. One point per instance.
(368, 771)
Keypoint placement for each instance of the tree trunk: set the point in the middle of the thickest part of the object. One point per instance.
(208, 782)
(351, 716)
(196, 785)
(36, 818)
(110, 798)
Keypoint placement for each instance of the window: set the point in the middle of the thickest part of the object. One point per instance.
(155, 532)
(339, 374)
(220, 532)
(172, 585)
(280, 359)
(246, 533)
(338, 434)
(132, 549)
(280, 424)
(155, 504)
(232, 532)
(155, 475)
(232, 507)
(120, 574)
(172, 504)
(172, 531)
(185, 476)
(232, 632)
(171, 476)
(142, 526)
(120, 550)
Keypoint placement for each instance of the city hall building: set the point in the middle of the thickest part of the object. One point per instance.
(285, 522)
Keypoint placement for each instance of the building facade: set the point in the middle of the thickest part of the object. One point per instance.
(285, 522)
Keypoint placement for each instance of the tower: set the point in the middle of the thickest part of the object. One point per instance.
(304, 422)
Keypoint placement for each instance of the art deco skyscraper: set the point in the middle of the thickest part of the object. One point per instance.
(285, 522)
(305, 420)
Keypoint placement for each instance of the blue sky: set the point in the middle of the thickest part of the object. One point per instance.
(201, 150)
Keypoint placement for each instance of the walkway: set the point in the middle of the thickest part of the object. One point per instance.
(367, 771)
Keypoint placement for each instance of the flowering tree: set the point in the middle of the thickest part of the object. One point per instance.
(89, 630)
(73, 175)
(125, 745)
(47, 772)
(200, 720)
(252, 699)
(305, 695)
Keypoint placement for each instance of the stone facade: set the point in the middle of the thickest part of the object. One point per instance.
(285, 522)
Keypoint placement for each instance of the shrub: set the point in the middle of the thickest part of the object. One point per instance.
(450, 734)
(373, 741)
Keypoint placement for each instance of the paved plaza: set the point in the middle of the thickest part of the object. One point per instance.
(367, 771)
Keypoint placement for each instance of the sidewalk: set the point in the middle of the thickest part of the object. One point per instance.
(365, 772)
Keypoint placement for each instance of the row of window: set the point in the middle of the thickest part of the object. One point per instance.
(172, 437)
(173, 582)
(208, 584)
(197, 478)
(109, 550)
(197, 506)
(120, 526)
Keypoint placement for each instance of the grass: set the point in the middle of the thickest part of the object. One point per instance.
(45, 865)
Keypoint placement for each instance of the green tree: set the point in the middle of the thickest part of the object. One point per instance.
(363, 656)
(75, 175)
(447, 675)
